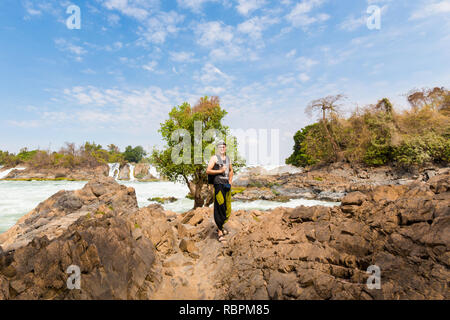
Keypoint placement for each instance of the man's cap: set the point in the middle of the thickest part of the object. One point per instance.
(220, 143)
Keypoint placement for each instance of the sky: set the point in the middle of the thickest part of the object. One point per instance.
(115, 78)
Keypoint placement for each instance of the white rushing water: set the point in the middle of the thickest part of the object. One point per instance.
(132, 178)
(114, 170)
(4, 174)
(153, 172)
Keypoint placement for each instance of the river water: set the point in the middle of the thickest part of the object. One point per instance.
(19, 197)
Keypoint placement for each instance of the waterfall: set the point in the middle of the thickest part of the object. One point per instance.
(132, 178)
(153, 172)
(5, 173)
(114, 170)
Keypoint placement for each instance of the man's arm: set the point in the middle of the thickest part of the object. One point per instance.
(231, 174)
(211, 164)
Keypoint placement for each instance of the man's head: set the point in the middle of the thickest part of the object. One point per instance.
(222, 147)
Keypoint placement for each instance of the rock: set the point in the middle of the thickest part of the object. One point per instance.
(141, 172)
(354, 198)
(152, 221)
(187, 246)
(80, 173)
(65, 207)
(115, 260)
(440, 184)
(124, 173)
(390, 193)
(94, 229)
(307, 253)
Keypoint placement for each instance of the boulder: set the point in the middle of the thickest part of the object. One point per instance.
(354, 198)
(124, 173)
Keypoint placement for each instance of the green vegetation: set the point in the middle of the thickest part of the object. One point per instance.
(181, 140)
(87, 155)
(134, 154)
(378, 134)
(256, 184)
(300, 156)
(41, 179)
(163, 200)
(237, 190)
(139, 176)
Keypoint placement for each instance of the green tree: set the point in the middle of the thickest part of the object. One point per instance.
(134, 154)
(300, 157)
(198, 145)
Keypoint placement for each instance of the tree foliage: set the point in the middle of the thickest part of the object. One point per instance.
(88, 154)
(134, 154)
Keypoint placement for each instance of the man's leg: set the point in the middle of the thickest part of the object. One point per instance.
(220, 209)
(228, 206)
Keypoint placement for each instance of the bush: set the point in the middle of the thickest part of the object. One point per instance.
(420, 150)
(300, 158)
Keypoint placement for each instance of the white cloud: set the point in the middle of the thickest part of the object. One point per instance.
(137, 9)
(150, 66)
(181, 56)
(254, 27)
(244, 7)
(304, 63)
(194, 5)
(300, 16)
(154, 25)
(157, 28)
(74, 50)
(228, 43)
(210, 74)
(303, 77)
(134, 108)
(212, 33)
(431, 9)
(352, 23)
(291, 53)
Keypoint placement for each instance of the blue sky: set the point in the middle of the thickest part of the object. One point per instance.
(115, 79)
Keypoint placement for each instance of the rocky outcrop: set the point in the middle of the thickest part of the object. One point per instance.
(89, 229)
(323, 253)
(329, 183)
(302, 253)
(124, 172)
(141, 172)
(78, 174)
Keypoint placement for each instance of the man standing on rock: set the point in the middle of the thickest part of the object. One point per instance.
(221, 168)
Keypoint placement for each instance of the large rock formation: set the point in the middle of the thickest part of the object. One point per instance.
(322, 253)
(301, 253)
(87, 228)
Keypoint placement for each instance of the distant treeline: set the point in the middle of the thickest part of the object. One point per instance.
(71, 156)
(378, 134)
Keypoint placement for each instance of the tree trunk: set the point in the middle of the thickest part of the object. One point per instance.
(198, 197)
